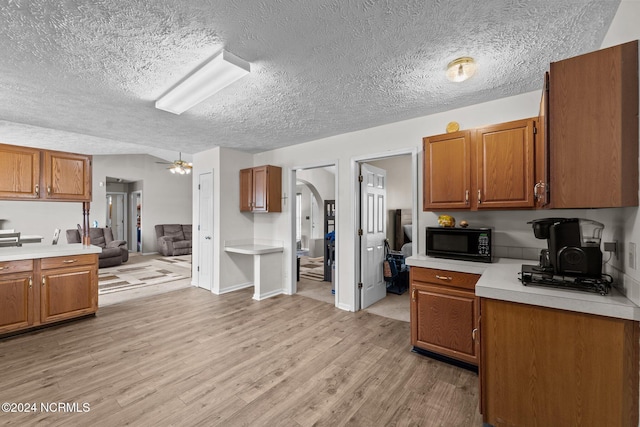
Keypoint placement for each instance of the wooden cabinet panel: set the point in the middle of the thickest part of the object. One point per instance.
(67, 293)
(593, 108)
(246, 189)
(67, 176)
(541, 188)
(543, 366)
(261, 189)
(19, 172)
(444, 313)
(447, 160)
(504, 159)
(16, 301)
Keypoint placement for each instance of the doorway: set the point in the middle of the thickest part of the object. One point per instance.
(136, 214)
(314, 234)
(116, 217)
(205, 231)
(401, 201)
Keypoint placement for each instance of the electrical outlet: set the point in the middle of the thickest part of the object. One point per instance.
(632, 255)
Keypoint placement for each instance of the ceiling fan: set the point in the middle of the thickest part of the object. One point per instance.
(179, 166)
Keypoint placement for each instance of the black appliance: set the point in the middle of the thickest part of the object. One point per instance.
(573, 258)
(467, 244)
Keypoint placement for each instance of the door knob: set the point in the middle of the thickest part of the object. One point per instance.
(207, 237)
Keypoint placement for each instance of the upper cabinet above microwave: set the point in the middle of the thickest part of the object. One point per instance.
(34, 174)
(485, 168)
(593, 129)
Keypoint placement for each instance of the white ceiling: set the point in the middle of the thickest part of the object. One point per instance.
(83, 75)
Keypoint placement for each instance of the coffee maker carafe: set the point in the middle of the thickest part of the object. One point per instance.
(573, 246)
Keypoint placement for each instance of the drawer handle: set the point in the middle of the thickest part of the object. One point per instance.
(48, 190)
(69, 261)
(444, 277)
(2, 268)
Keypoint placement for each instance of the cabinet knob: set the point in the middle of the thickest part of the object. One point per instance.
(443, 277)
(37, 190)
(48, 190)
(44, 280)
(413, 294)
(30, 282)
(473, 333)
(479, 196)
(466, 197)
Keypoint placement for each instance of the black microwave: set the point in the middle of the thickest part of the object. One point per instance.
(467, 244)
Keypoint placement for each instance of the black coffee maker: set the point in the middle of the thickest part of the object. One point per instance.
(573, 246)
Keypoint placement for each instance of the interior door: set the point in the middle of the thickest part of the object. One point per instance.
(373, 201)
(205, 231)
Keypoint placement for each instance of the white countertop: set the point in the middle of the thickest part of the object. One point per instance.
(42, 250)
(253, 249)
(499, 280)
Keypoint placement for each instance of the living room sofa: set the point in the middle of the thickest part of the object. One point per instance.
(114, 252)
(174, 239)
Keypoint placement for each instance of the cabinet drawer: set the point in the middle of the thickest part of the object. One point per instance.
(454, 279)
(8, 267)
(68, 261)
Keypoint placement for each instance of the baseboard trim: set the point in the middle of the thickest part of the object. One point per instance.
(234, 288)
(268, 295)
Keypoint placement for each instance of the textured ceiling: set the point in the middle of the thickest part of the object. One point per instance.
(83, 75)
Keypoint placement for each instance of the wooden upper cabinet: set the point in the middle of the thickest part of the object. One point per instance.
(29, 173)
(504, 164)
(261, 189)
(492, 167)
(67, 176)
(593, 109)
(19, 172)
(447, 173)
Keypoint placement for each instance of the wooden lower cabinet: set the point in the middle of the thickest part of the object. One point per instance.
(444, 313)
(41, 291)
(549, 367)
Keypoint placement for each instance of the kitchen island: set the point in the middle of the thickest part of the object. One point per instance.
(550, 356)
(45, 284)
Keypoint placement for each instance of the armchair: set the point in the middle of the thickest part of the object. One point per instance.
(114, 252)
(174, 239)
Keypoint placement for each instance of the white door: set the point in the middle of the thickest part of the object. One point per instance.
(205, 231)
(373, 221)
(116, 219)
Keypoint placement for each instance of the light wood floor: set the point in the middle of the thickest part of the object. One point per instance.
(189, 357)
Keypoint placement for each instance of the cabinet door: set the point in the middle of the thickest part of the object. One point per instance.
(19, 172)
(447, 177)
(68, 292)
(505, 165)
(260, 188)
(246, 189)
(443, 321)
(16, 301)
(593, 104)
(67, 176)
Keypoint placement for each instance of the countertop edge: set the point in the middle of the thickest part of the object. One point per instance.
(499, 280)
(35, 251)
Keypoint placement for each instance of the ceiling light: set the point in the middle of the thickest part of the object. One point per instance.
(461, 69)
(216, 74)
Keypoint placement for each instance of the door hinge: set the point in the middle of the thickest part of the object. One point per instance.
(360, 178)
(198, 227)
(360, 232)
(198, 186)
(535, 130)
(359, 285)
(198, 268)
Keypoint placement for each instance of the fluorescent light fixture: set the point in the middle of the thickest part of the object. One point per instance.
(213, 76)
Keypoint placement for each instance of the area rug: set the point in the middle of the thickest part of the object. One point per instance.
(312, 268)
(150, 273)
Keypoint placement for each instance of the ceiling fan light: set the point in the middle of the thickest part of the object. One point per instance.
(461, 69)
(216, 74)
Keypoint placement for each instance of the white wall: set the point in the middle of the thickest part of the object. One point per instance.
(230, 271)
(166, 199)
